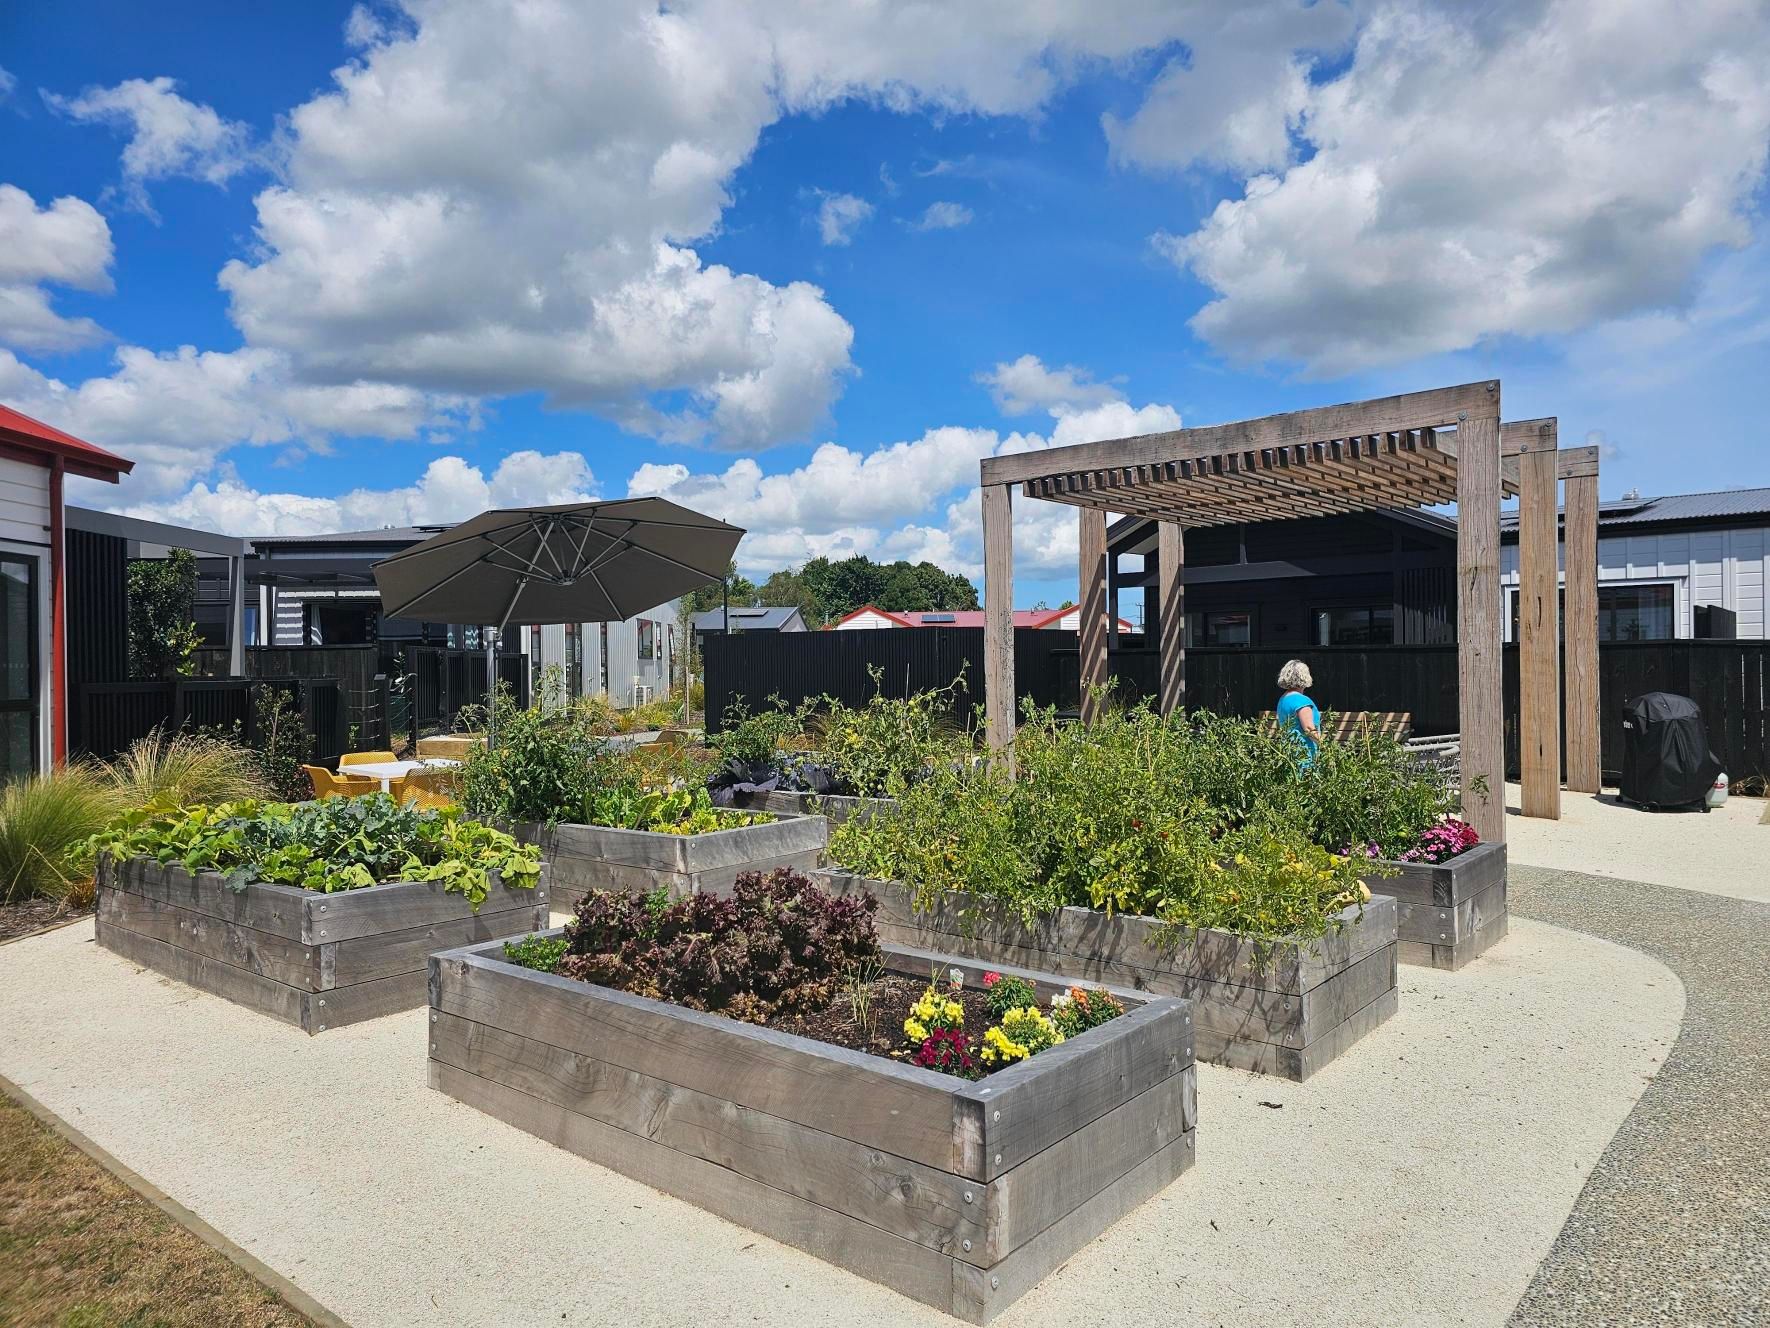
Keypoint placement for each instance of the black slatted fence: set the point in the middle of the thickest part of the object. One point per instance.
(1730, 680)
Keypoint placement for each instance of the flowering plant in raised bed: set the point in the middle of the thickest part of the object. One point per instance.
(1023, 1032)
(1078, 1009)
(935, 1012)
(948, 1051)
(1443, 841)
(1005, 994)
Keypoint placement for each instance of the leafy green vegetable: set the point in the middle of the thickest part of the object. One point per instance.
(328, 846)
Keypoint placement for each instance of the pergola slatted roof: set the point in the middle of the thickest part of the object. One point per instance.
(1401, 468)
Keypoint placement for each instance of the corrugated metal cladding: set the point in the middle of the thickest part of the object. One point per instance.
(97, 611)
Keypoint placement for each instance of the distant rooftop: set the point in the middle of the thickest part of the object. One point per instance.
(388, 535)
(1634, 510)
(748, 618)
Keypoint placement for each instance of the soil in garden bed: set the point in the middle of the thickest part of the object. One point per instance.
(891, 998)
(30, 916)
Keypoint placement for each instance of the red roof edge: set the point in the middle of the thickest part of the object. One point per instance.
(81, 457)
(869, 608)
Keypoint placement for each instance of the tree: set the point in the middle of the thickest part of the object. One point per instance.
(162, 607)
(738, 587)
(787, 589)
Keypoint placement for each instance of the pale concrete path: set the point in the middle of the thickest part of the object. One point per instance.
(1673, 1227)
(1723, 852)
(1417, 1181)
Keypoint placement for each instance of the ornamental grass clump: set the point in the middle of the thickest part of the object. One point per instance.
(337, 844)
(778, 945)
(46, 822)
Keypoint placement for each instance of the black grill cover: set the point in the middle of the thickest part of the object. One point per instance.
(1666, 760)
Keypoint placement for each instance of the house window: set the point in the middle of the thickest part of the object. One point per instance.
(647, 638)
(1219, 627)
(18, 666)
(1355, 625)
(1634, 612)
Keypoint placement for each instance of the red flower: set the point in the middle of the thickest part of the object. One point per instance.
(990, 979)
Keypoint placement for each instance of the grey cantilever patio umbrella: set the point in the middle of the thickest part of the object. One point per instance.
(578, 562)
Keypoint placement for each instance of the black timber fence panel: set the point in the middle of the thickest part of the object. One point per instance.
(1730, 680)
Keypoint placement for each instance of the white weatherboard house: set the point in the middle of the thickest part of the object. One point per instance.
(1672, 568)
(628, 661)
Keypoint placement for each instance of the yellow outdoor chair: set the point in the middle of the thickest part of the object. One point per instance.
(328, 785)
(425, 789)
(364, 758)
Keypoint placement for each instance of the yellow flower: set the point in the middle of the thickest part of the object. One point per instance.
(914, 1031)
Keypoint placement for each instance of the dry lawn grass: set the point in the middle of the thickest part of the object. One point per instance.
(79, 1249)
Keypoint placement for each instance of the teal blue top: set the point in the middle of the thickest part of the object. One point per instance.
(1290, 709)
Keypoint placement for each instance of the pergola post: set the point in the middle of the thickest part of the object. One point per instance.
(998, 622)
(1539, 665)
(1091, 615)
(1480, 691)
(1170, 613)
(1581, 557)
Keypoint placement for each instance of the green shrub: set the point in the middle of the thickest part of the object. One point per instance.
(337, 844)
(754, 739)
(1004, 994)
(878, 749)
(284, 744)
(45, 823)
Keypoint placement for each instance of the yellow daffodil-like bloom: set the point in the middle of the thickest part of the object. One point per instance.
(915, 1032)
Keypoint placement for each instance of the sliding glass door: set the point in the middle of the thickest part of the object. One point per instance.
(19, 681)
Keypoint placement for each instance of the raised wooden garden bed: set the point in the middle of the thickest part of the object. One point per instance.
(1449, 912)
(595, 857)
(834, 807)
(319, 961)
(961, 1195)
(1286, 1013)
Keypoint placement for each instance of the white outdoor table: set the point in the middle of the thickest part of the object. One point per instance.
(388, 771)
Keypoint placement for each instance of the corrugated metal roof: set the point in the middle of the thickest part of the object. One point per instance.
(1716, 505)
(24, 431)
(391, 535)
(746, 618)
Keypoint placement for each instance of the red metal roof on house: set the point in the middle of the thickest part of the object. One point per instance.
(963, 617)
(20, 430)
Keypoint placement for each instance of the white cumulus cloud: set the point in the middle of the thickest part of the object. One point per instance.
(169, 135)
(1025, 385)
(1485, 172)
(66, 243)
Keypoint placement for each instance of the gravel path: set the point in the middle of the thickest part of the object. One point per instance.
(1673, 1226)
(1418, 1181)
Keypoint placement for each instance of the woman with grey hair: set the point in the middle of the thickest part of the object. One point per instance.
(1298, 715)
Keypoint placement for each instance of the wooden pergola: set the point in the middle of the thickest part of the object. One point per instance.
(1417, 450)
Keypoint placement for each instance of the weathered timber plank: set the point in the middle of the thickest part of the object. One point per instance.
(1581, 668)
(399, 905)
(1449, 882)
(914, 1270)
(1027, 1109)
(1479, 693)
(239, 985)
(1453, 957)
(1414, 410)
(1171, 614)
(575, 878)
(1091, 631)
(338, 1006)
(833, 807)
(713, 851)
(276, 909)
(275, 957)
(1300, 1021)
(386, 954)
(1048, 1186)
(908, 1199)
(981, 1294)
(1125, 943)
(1446, 924)
(1539, 636)
(841, 1092)
(998, 614)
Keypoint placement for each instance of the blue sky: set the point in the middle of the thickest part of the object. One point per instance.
(327, 266)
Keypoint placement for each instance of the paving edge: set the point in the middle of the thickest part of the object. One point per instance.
(292, 1295)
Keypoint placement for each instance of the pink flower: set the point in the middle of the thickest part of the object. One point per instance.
(990, 979)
